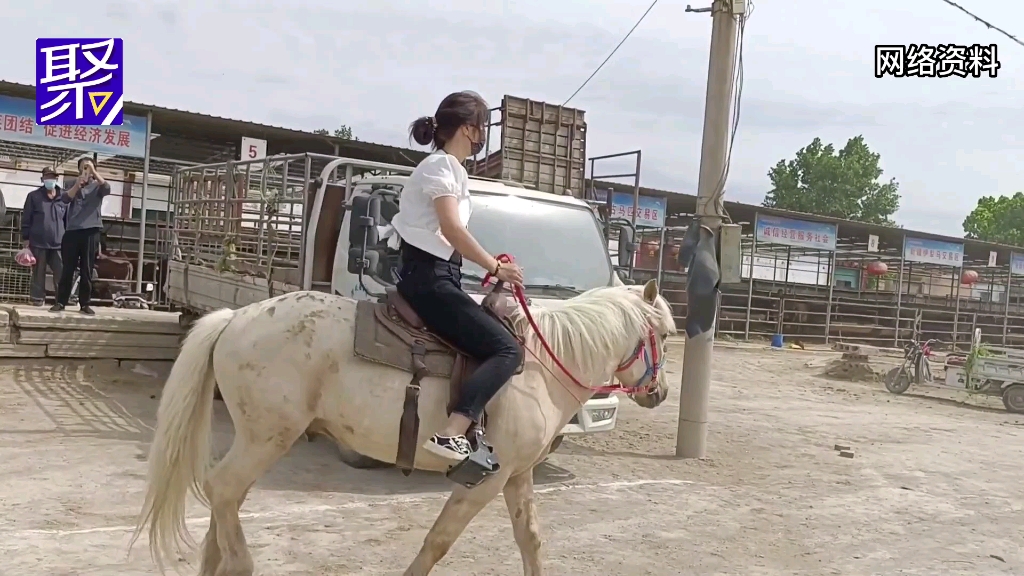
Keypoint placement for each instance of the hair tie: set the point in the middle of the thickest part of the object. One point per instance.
(433, 122)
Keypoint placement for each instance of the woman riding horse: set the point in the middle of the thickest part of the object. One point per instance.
(431, 223)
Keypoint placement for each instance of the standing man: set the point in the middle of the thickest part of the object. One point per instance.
(42, 229)
(82, 236)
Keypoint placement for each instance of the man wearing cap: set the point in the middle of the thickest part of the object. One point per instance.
(42, 231)
(82, 237)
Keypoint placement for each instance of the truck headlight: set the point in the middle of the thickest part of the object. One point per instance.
(601, 414)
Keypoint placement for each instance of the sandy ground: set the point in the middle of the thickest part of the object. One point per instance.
(935, 486)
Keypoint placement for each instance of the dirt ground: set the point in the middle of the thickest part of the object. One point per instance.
(934, 487)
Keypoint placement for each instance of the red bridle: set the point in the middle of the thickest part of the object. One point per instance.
(652, 360)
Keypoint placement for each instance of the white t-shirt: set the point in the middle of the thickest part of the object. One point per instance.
(439, 174)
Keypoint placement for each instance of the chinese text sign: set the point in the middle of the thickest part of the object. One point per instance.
(1017, 264)
(18, 125)
(797, 233)
(79, 82)
(650, 211)
(933, 252)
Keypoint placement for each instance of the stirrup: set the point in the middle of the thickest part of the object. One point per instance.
(478, 466)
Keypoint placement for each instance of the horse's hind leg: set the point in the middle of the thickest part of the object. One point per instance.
(462, 506)
(211, 548)
(523, 512)
(226, 488)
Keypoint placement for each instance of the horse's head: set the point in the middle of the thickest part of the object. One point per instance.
(642, 369)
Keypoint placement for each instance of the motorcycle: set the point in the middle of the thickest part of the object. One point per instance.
(914, 369)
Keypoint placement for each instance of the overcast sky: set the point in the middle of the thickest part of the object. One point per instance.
(311, 64)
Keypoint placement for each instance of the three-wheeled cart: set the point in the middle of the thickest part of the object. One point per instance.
(987, 370)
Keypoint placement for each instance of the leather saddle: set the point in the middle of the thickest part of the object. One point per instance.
(393, 334)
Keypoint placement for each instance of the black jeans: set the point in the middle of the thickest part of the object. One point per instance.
(78, 249)
(433, 287)
(45, 258)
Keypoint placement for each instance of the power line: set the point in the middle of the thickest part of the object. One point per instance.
(987, 24)
(623, 41)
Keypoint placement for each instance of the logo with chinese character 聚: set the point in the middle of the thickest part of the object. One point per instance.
(79, 82)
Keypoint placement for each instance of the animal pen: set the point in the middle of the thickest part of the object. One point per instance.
(833, 280)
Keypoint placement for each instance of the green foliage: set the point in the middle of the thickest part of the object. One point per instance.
(878, 282)
(841, 184)
(976, 353)
(997, 220)
(344, 132)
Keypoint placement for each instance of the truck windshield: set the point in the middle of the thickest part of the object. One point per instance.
(558, 246)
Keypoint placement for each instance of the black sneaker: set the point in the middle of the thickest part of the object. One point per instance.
(455, 448)
(88, 311)
(57, 307)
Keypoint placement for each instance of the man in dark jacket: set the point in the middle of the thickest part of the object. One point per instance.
(42, 230)
(82, 236)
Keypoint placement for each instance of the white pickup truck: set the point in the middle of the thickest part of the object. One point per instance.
(242, 233)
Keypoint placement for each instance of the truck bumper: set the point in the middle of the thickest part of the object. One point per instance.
(597, 415)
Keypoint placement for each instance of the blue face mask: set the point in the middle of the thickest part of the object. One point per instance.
(50, 184)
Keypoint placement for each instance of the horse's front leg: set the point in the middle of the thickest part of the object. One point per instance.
(462, 506)
(522, 509)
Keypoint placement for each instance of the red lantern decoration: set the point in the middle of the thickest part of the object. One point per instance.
(877, 268)
(969, 277)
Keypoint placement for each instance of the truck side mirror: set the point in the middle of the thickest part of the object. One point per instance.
(627, 247)
(362, 234)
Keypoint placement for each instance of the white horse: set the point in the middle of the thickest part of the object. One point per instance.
(287, 364)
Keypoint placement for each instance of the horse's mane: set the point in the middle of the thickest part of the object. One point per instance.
(591, 332)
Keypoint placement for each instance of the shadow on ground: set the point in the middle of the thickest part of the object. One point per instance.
(574, 449)
(958, 403)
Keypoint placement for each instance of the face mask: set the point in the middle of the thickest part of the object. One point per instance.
(50, 184)
(477, 147)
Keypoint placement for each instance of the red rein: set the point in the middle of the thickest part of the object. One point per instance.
(520, 297)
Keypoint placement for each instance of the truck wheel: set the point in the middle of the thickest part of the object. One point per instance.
(556, 443)
(1013, 399)
(360, 462)
(897, 380)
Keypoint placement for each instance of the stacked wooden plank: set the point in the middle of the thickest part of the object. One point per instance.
(113, 333)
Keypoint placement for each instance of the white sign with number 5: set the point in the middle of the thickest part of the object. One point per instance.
(253, 149)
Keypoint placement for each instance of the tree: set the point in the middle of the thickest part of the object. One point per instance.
(344, 132)
(997, 220)
(840, 184)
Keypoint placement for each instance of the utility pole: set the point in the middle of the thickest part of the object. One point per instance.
(692, 433)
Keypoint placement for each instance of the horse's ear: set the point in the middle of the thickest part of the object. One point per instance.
(651, 291)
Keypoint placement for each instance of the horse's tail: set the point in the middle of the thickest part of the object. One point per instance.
(180, 455)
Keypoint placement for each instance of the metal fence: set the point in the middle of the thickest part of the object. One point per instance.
(243, 216)
(864, 290)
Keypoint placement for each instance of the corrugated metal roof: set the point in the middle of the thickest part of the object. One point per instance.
(976, 251)
(182, 131)
(185, 131)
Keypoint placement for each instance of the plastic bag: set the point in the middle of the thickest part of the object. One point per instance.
(25, 257)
